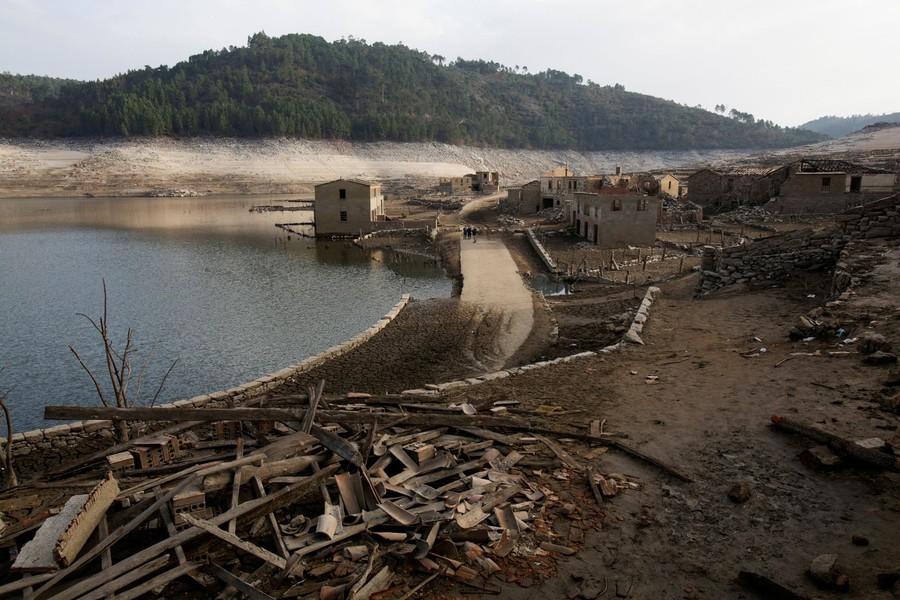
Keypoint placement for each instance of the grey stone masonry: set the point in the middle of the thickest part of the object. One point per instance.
(777, 257)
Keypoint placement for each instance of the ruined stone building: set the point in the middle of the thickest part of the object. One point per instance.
(820, 186)
(721, 191)
(614, 220)
(486, 182)
(453, 185)
(522, 200)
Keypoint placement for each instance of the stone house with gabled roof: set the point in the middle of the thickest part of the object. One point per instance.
(347, 207)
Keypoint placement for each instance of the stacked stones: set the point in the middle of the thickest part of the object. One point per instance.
(777, 257)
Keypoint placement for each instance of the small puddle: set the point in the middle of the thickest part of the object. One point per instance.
(549, 286)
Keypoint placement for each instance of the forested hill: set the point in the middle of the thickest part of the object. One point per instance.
(838, 126)
(303, 86)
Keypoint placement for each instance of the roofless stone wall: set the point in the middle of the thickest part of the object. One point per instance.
(777, 257)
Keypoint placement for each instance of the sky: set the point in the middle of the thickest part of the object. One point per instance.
(785, 61)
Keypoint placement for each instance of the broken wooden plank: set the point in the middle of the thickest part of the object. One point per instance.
(37, 555)
(159, 581)
(73, 539)
(169, 523)
(24, 583)
(225, 536)
(236, 485)
(260, 491)
(378, 583)
(102, 532)
(592, 484)
(561, 454)
(236, 582)
(108, 589)
(338, 445)
(839, 444)
(315, 394)
(251, 510)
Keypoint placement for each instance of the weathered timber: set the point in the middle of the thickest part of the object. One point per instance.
(839, 444)
(108, 589)
(198, 415)
(170, 525)
(592, 484)
(259, 490)
(37, 555)
(251, 510)
(159, 581)
(235, 541)
(236, 485)
(315, 394)
(73, 539)
(24, 583)
(236, 582)
(561, 454)
(343, 417)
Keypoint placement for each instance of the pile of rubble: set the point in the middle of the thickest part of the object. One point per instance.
(381, 497)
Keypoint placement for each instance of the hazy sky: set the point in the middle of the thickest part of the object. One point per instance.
(788, 61)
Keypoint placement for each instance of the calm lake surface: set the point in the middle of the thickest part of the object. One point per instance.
(205, 281)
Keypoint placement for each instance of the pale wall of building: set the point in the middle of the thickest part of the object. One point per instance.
(347, 208)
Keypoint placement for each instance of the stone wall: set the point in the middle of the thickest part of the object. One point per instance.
(541, 252)
(777, 257)
(41, 449)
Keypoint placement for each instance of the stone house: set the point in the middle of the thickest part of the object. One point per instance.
(670, 185)
(347, 207)
(452, 185)
(614, 220)
(486, 182)
(720, 191)
(558, 186)
(825, 186)
(522, 200)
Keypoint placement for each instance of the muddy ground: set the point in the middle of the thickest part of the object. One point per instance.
(698, 395)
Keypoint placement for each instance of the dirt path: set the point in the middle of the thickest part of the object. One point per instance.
(492, 282)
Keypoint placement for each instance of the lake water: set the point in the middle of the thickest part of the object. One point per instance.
(205, 281)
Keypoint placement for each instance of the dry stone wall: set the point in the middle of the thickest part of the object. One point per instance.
(41, 449)
(777, 257)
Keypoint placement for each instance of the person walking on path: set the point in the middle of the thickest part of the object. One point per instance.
(474, 234)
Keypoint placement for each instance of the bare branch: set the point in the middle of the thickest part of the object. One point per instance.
(163, 382)
(94, 379)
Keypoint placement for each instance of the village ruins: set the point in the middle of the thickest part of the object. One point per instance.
(604, 440)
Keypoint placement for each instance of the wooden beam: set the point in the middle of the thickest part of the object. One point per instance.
(198, 415)
(259, 489)
(73, 539)
(236, 582)
(108, 589)
(236, 485)
(158, 581)
(235, 541)
(251, 510)
(170, 525)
